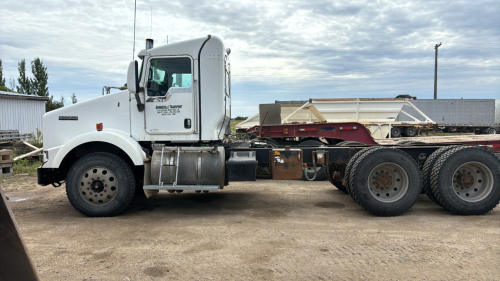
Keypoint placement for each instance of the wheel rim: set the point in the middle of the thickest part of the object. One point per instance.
(388, 182)
(98, 186)
(472, 181)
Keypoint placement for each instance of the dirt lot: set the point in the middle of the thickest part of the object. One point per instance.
(264, 230)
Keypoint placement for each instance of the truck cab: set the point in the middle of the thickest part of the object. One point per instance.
(179, 96)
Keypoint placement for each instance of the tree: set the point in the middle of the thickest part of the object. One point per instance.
(73, 98)
(24, 82)
(5, 89)
(12, 83)
(40, 78)
(51, 104)
(2, 79)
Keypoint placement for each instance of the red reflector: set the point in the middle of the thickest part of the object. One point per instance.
(98, 126)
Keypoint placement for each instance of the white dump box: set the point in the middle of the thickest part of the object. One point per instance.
(379, 115)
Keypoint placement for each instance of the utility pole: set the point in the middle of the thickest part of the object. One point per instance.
(436, 71)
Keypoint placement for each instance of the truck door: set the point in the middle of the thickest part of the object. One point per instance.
(169, 96)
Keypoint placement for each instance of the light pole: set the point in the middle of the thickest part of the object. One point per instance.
(436, 71)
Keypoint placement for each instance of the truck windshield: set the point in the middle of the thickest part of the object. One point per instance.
(168, 72)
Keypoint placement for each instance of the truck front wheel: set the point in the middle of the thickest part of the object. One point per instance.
(100, 185)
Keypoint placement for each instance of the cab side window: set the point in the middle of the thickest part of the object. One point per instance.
(166, 73)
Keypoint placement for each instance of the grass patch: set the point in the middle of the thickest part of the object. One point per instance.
(233, 124)
(26, 166)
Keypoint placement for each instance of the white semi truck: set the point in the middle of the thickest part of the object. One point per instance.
(167, 131)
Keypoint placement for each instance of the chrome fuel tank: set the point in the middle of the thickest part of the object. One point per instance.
(188, 166)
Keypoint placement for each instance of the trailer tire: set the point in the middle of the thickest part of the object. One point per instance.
(490, 131)
(100, 185)
(427, 171)
(350, 164)
(466, 180)
(395, 132)
(386, 181)
(410, 132)
(320, 171)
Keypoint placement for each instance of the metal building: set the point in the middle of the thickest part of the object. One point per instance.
(21, 113)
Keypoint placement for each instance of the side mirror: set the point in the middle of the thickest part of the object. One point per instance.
(133, 83)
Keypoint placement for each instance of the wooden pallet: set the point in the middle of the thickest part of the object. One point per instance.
(6, 156)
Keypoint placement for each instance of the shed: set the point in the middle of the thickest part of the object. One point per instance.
(21, 113)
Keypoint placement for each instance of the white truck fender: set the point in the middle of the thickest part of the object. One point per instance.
(117, 138)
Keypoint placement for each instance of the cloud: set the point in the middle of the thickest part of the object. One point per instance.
(280, 49)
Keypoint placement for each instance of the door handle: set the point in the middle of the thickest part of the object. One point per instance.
(187, 123)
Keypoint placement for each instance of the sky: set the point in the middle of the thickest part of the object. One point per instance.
(281, 50)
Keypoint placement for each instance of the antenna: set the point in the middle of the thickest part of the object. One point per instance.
(133, 48)
(151, 22)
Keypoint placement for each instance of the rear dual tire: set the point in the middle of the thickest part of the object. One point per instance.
(427, 172)
(385, 181)
(466, 180)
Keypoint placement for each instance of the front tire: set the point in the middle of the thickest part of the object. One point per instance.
(100, 185)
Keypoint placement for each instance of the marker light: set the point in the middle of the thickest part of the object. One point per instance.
(98, 126)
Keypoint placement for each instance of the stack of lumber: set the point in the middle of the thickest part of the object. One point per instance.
(13, 135)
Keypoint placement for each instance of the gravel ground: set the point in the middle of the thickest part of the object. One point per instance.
(264, 230)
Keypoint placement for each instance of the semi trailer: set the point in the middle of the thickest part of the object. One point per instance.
(480, 116)
(168, 131)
